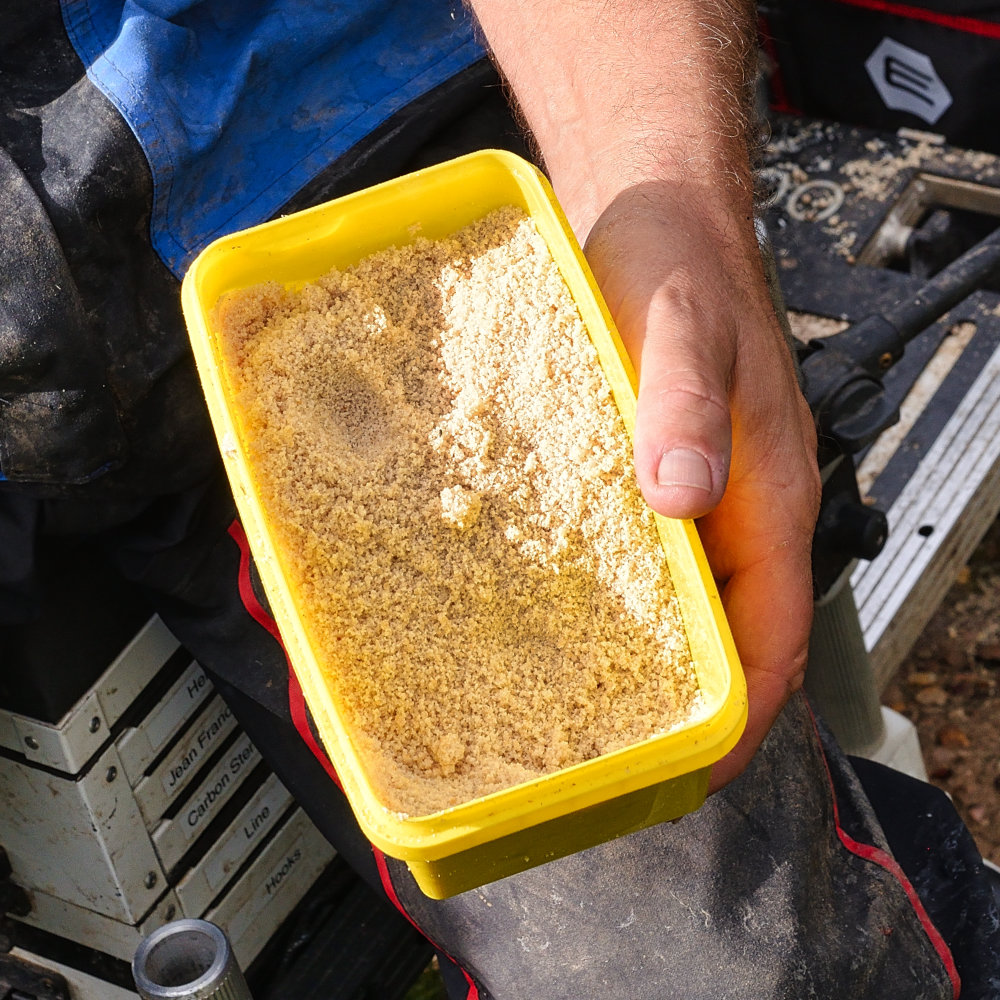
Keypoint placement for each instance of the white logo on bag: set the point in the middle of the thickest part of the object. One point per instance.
(907, 81)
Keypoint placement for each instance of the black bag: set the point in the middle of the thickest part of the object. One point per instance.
(932, 65)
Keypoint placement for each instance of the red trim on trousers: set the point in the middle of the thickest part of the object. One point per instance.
(300, 719)
(383, 871)
(869, 852)
(957, 22)
(257, 611)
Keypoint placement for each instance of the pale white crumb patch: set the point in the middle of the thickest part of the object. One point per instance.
(460, 506)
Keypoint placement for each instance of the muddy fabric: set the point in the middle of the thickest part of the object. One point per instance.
(98, 394)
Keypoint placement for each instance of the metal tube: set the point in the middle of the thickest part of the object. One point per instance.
(188, 960)
(877, 341)
(839, 678)
(947, 288)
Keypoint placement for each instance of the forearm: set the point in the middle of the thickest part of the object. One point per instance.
(618, 93)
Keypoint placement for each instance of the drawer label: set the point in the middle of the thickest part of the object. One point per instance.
(219, 786)
(199, 746)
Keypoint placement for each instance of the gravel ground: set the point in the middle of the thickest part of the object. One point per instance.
(949, 686)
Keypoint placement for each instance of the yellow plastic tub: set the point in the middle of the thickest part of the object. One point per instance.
(508, 831)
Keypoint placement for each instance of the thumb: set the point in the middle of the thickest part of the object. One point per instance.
(683, 432)
(669, 292)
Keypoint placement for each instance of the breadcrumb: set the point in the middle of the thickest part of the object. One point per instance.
(454, 501)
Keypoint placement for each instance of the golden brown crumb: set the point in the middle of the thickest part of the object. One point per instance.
(454, 500)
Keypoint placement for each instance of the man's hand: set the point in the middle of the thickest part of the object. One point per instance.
(639, 109)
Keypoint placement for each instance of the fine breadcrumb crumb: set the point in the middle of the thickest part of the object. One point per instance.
(454, 501)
